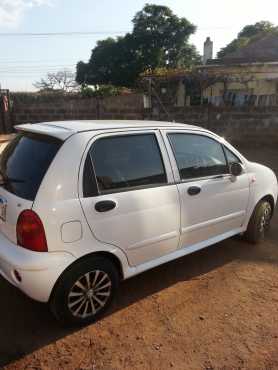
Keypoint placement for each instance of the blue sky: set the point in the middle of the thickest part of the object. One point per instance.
(24, 60)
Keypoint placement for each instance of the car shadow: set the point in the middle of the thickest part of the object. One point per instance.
(27, 325)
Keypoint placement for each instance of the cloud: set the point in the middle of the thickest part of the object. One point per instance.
(12, 11)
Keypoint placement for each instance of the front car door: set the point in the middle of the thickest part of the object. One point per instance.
(213, 203)
(129, 196)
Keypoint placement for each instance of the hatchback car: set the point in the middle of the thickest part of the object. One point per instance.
(85, 204)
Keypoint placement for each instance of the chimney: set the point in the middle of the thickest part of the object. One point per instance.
(208, 50)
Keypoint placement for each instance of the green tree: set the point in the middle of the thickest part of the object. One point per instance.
(159, 39)
(257, 28)
(162, 37)
(112, 62)
(247, 34)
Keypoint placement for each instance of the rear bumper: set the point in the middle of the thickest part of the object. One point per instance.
(39, 271)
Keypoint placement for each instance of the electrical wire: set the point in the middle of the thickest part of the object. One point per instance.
(51, 34)
(89, 33)
(34, 67)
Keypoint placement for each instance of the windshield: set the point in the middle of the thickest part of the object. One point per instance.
(24, 163)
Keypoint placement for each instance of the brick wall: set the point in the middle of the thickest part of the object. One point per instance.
(246, 127)
(34, 109)
(242, 126)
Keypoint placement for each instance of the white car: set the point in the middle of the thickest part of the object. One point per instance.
(85, 204)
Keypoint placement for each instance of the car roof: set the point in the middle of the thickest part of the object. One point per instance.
(65, 129)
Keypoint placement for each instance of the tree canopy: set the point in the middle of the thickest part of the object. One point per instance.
(247, 34)
(159, 39)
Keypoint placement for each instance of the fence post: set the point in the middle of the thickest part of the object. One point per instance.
(98, 108)
(208, 116)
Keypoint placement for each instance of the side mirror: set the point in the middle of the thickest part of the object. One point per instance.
(236, 169)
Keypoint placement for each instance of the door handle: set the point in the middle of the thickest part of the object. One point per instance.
(194, 190)
(105, 206)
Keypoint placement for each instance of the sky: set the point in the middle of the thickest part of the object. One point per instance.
(25, 59)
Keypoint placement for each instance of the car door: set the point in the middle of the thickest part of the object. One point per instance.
(213, 203)
(129, 196)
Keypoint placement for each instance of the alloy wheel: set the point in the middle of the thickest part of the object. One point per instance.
(265, 219)
(89, 294)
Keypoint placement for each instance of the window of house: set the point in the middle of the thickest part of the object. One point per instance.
(129, 161)
(198, 156)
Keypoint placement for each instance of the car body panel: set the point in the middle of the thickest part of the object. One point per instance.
(145, 222)
(73, 127)
(184, 251)
(13, 205)
(263, 182)
(200, 221)
(44, 129)
(228, 195)
(38, 271)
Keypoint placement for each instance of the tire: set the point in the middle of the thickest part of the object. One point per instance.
(259, 222)
(84, 291)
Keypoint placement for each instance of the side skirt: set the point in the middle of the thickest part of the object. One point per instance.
(132, 271)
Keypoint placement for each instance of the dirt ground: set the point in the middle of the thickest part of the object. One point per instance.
(215, 309)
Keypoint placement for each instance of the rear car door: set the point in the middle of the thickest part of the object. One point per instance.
(128, 194)
(213, 203)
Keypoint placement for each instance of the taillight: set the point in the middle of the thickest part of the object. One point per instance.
(30, 232)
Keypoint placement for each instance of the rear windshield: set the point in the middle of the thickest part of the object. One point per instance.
(24, 163)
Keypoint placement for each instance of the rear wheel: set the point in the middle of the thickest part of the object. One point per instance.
(84, 291)
(259, 222)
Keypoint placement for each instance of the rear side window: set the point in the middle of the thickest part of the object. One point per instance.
(198, 156)
(24, 163)
(89, 180)
(125, 162)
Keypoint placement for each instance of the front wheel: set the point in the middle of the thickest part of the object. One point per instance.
(84, 291)
(259, 222)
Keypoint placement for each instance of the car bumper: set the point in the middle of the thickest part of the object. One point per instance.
(38, 271)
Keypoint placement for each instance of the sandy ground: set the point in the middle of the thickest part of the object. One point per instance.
(215, 309)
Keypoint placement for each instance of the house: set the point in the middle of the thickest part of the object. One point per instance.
(248, 76)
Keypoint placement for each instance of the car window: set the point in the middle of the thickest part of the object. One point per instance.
(127, 161)
(25, 161)
(198, 156)
(231, 157)
(89, 180)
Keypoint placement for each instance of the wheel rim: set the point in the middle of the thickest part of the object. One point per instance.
(89, 294)
(265, 219)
